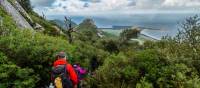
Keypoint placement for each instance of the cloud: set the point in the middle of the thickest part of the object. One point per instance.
(88, 6)
(113, 7)
(180, 3)
(93, 1)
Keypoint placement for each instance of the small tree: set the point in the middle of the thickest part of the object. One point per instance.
(189, 34)
(187, 42)
(70, 29)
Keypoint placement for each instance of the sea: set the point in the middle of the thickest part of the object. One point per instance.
(167, 24)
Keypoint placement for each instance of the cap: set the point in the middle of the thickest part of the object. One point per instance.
(61, 54)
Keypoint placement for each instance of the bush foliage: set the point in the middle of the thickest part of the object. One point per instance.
(26, 57)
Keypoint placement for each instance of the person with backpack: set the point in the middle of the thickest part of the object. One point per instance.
(81, 72)
(94, 64)
(63, 75)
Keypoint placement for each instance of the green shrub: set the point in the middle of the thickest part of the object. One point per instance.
(85, 52)
(26, 56)
(33, 50)
(116, 72)
(144, 84)
(12, 75)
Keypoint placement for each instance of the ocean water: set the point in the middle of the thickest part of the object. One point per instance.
(167, 24)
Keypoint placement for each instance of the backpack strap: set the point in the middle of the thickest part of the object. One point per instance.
(66, 72)
(67, 82)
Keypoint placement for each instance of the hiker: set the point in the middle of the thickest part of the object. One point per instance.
(63, 75)
(94, 64)
(81, 72)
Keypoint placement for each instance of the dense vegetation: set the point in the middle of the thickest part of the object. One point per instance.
(26, 56)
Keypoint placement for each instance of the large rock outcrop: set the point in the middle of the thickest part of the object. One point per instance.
(17, 17)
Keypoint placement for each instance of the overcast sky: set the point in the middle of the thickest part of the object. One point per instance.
(113, 7)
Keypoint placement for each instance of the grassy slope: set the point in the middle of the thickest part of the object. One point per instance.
(48, 26)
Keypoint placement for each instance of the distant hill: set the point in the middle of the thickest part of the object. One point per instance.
(62, 24)
(87, 25)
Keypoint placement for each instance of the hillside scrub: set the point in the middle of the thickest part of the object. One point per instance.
(121, 71)
(13, 75)
(33, 53)
(26, 56)
(171, 62)
(33, 50)
(36, 51)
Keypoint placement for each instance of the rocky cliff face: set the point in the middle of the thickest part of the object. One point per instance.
(17, 17)
(22, 11)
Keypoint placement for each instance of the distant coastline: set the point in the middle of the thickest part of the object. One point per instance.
(166, 24)
(145, 20)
